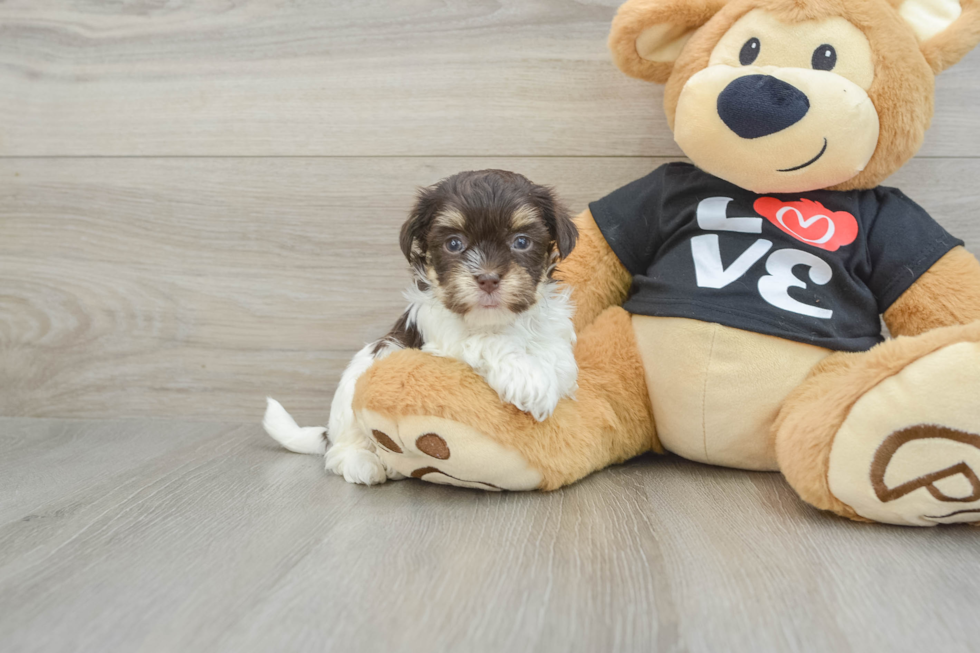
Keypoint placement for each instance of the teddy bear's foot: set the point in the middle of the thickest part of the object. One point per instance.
(442, 451)
(905, 447)
(436, 419)
(909, 451)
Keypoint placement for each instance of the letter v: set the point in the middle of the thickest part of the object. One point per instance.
(708, 267)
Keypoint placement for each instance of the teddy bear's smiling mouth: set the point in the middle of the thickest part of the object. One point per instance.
(810, 162)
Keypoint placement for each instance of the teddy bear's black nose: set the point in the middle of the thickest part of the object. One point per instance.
(758, 105)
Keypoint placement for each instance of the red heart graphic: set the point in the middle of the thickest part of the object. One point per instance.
(810, 222)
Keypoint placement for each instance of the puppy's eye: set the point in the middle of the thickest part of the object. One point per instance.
(824, 57)
(522, 243)
(750, 52)
(455, 245)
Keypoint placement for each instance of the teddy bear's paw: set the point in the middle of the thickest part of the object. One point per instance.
(909, 451)
(448, 453)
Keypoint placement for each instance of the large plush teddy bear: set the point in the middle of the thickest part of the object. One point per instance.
(728, 311)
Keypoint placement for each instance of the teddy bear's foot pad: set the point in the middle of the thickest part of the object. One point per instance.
(909, 451)
(442, 451)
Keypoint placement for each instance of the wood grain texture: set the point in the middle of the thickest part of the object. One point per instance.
(195, 287)
(190, 287)
(206, 537)
(344, 77)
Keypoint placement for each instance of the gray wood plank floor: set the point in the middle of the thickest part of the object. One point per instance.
(199, 205)
(180, 536)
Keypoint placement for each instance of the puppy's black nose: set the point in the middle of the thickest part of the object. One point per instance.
(758, 105)
(488, 282)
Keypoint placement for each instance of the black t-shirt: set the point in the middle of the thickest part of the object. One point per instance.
(816, 267)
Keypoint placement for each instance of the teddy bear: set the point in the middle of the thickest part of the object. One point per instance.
(729, 310)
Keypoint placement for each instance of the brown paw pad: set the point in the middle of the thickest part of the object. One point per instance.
(433, 445)
(385, 441)
(421, 472)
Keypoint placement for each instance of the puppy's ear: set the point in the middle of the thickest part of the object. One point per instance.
(558, 220)
(416, 228)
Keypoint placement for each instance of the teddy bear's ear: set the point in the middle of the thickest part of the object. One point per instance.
(946, 29)
(648, 35)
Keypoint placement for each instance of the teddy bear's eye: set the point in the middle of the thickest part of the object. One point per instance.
(750, 52)
(824, 57)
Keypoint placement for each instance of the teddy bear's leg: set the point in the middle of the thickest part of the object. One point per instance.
(890, 435)
(437, 420)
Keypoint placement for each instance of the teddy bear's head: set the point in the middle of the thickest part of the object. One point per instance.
(796, 95)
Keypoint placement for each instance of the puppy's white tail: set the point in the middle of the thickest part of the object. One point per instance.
(284, 430)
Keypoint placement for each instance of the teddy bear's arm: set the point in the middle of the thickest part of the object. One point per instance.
(593, 271)
(947, 294)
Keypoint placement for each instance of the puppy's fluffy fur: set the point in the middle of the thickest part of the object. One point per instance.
(482, 246)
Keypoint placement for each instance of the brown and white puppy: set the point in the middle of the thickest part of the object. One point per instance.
(482, 246)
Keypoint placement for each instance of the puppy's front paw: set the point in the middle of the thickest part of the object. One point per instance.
(356, 465)
(540, 404)
(529, 388)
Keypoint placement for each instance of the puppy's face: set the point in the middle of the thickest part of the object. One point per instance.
(486, 242)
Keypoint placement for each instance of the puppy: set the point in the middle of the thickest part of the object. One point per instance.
(482, 248)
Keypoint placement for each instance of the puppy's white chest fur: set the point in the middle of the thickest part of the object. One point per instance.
(527, 359)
